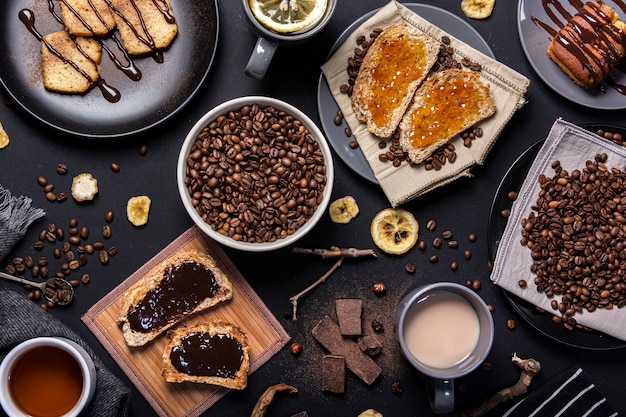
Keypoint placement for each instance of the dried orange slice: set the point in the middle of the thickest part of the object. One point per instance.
(288, 16)
(394, 230)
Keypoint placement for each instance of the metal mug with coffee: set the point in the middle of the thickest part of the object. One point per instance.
(270, 37)
(445, 331)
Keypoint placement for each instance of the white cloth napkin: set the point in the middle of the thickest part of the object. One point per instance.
(401, 184)
(572, 146)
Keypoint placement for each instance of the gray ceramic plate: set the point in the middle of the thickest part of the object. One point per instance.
(535, 41)
(327, 106)
(163, 89)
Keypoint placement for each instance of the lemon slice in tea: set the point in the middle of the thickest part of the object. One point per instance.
(394, 230)
(288, 16)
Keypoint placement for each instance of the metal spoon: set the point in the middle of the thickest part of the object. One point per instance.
(56, 290)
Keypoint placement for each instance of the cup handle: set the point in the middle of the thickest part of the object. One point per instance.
(441, 395)
(260, 58)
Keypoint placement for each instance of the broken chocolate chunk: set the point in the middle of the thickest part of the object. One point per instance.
(349, 316)
(328, 334)
(334, 374)
(370, 345)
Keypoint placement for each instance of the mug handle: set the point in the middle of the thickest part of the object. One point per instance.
(441, 395)
(260, 58)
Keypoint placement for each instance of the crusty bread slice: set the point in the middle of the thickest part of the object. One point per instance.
(87, 17)
(135, 18)
(59, 74)
(215, 353)
(392, 70)
(173, 302)
(446, 104)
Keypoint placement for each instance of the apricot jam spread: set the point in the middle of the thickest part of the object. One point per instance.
(181, 290)
(440, 113)
(201, 354)
(390, 81)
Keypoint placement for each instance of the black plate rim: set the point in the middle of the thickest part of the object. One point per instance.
(66, 129)
(328, 126)
(594, 340)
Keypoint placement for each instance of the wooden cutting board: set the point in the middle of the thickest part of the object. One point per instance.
(143, 365)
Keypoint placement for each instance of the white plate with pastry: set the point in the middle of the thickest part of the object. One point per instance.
(538, 22)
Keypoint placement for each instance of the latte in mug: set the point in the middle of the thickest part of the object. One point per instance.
(441, 330)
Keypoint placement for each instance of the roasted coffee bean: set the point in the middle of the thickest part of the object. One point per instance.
(433, 259)
(512, 195)
(421, 245)
(143, 149)
(446, 234)
(467, 254)
(104, 257)
(476, 285)
(353, 144)
(106, 231)
(431, 225)
(379, 288)
(84, 232)
(454, 265)
(437, 242)
(50, 196)
(61, 169)
(338, 118)
(278, 160)
(38, 245)
(109, 216)
(487, 366)
(10, 269)
(510, 323)
(115, 167)
(112, 251)
(472, 237)
(453, 244)
(410, 268)
(98, 245)
(74, 240)
(522, 283)
(85, 278)
(48, 188)
(73, 223)
(41, 180)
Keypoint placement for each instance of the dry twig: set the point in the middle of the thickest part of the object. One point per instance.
(333, 252)
(268, 396)
(529, 367)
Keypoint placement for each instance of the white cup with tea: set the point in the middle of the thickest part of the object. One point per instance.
(284, 22)
(445, 330)
(46, 377)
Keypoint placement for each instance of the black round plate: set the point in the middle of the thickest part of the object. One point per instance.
(163, 90)
(542, 322)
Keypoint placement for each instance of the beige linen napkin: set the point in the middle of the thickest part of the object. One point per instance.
(405, 183)
(572, 146)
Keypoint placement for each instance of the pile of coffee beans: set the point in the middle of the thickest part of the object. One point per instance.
(256, 174)
(577, 237)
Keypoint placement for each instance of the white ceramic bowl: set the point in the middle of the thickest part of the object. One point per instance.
(76, 351)
(235, 105)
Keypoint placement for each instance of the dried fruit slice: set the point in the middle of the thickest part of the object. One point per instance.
(343, 209)
(288, 16)
(477, 9)
(4, 137)
(84, 187)
(394, 230)
(138, 209)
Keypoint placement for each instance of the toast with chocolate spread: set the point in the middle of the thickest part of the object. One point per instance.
(178, 287)
(215, 353)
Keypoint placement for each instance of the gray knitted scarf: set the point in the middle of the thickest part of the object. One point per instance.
(16, 214)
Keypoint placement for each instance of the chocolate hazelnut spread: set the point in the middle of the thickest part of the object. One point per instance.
(200, 354)
(181, 290)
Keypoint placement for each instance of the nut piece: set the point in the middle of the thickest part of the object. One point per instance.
(296, 348)
(138, 209)
(4, 138)
(84, 187)
(371, 413)
(343, 209)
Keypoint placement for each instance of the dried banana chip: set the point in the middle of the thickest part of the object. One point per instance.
(84, 187)
(4, 138)
(343, 209)
(394, 230)
(138, 209)
(477, 9)
(371, 413)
